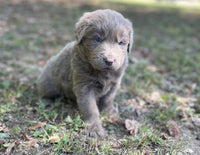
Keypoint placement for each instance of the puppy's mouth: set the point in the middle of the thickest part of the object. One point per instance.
(109, 69)
(105, 67)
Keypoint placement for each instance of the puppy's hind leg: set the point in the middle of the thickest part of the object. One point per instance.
(46, 87)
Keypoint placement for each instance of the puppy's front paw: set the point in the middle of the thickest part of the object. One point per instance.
(111, 112)
(95, 129)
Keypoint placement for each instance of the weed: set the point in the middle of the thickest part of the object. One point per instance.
(106, 149)
(44, 112)
(76, 123)
(69, 143)
(162, 115)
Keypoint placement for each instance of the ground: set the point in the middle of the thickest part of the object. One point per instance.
(159, 100)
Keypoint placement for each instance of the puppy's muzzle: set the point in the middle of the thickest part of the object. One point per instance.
(108, 61)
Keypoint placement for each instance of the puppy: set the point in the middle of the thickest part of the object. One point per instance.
(90, 68)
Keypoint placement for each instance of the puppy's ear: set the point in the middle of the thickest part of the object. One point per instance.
(131, 33)
(81, 27)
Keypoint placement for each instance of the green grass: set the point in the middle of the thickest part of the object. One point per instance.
(164, 5)
(168, 34)
(162, 115)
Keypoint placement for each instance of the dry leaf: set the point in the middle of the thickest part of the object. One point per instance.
(146, 153)
(132, 126)
(116, 120)
(152, 68)
(155, 97)
(32, 142)
(11, 147)
(24, 135)
(3, 128)
(54, 139)
(140, 101)
(131, 102)
(182, 100)
(41, 63)
(37, 126)
(164, 137)
(173, 128)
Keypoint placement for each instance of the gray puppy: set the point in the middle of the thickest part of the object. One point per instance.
(90, 68)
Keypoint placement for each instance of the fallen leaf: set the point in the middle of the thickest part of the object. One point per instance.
(116, 120)
(182, 100)
(10, 148)
(152, 68)
(37, 126)
(147, 153)
(164, 137)
(32, 142)
(41, 63)
(140, 101)
(131, 102)
(173, 128)
(132, 126)
(54, 139)
(156, 97)
(3, 128)
(24, 135)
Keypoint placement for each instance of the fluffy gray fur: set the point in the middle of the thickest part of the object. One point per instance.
(90, 68)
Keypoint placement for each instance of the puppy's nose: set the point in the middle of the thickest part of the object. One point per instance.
(108, 61)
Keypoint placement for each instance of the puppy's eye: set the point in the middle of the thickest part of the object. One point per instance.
(98, 39)
(121, 43)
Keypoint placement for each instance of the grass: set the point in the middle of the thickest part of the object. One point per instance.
(162, 115)
(164, 5)
(165, 59)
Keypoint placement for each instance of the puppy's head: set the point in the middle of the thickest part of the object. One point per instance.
(104, 37)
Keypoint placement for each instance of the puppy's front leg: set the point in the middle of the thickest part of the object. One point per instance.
(87, 104)
(106, 102)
